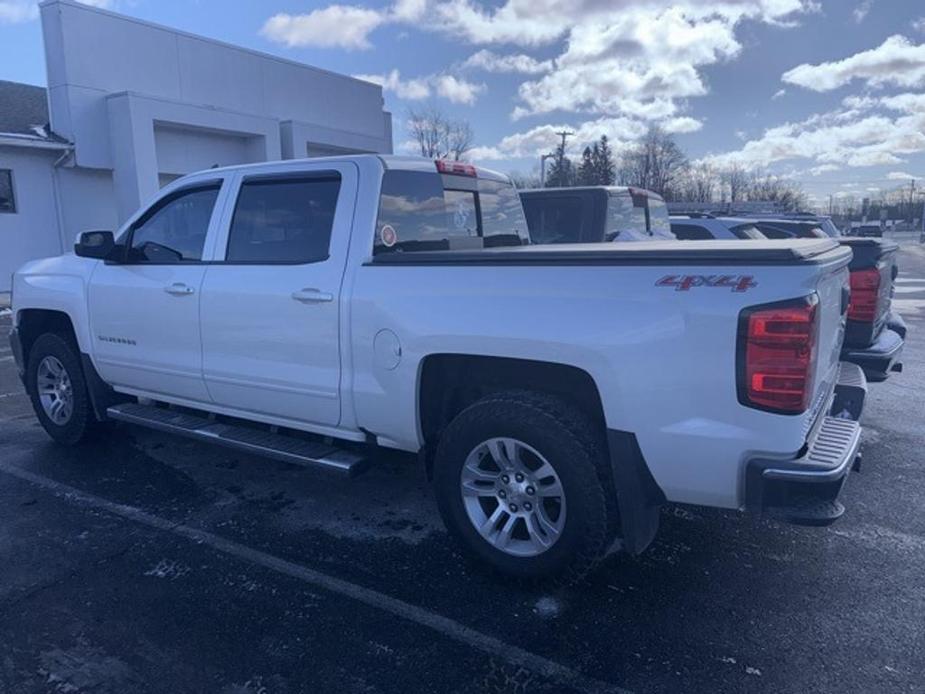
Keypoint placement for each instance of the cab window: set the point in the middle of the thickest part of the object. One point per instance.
(174, 230)
(554, 219)
(423, 211)
(284, 219)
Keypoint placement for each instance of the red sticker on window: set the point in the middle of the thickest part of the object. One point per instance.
(388, 236)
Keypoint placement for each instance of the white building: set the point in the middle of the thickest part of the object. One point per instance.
(132, 106)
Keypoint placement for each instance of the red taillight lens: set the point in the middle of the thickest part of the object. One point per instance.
(777, 351)
(865, 295)
(456, 168)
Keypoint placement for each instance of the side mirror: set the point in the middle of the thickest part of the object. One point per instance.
(95, 244)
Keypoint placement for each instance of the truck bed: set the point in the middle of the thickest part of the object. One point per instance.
(789, 252)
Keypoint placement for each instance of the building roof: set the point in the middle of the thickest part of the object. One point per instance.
(23, 107)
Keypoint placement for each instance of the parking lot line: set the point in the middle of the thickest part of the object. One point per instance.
(443, 625)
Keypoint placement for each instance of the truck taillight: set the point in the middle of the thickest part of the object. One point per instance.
(865, 295)
(776, 355)
(456, 168)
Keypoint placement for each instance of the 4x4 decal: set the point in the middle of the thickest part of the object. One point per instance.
(683, 283)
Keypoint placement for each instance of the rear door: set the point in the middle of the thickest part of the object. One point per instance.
(270, 308)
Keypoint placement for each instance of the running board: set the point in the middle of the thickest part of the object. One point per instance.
(262, 442)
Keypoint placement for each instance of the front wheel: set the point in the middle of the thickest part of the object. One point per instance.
(517, 483)
(55, 381)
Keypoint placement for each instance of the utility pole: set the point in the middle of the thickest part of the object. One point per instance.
(564, 134)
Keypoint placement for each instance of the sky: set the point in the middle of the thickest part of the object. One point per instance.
(828, 92)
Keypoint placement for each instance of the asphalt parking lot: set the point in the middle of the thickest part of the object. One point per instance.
(143, 563)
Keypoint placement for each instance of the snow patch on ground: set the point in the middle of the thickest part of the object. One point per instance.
(548, 607)
(85, 669)
(169, 570)
(878, 537)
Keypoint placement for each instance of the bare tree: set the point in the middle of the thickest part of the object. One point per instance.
(437, 136)
(734, 179)
(697, 183)
(767, 187)
(655, 163)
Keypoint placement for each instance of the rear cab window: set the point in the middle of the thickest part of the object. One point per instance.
(659, 221)
(430, 211)
(626, 218)
(747, 231)
(554, 219)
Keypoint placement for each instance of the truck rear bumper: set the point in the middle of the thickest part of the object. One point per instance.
(805, 490)
(895, 322)
(882, 357)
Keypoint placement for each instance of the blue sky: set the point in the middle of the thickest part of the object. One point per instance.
(830, 92)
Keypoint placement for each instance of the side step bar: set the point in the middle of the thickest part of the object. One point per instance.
(263, 442)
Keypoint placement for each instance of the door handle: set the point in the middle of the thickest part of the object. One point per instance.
(179, 289)
(312, 296)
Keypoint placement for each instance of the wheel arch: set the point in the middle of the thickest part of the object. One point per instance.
(449, 382)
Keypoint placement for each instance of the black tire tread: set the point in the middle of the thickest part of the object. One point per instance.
(82, 420)
(579, 434)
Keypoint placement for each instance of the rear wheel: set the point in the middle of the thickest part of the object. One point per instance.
(517, 483)
(55, 381)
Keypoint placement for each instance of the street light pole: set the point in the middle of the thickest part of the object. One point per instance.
(543, 159)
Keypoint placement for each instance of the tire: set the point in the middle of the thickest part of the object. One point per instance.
(50, 352)
(537, 429)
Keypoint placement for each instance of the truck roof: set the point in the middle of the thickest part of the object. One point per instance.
(607, 189)
(389, 161)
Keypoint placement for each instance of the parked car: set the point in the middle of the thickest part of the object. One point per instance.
(595, 213)
(875, 335)
(699, 227)
(312, 311)
(868, 231)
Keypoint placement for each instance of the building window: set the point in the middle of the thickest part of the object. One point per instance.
(7, 200)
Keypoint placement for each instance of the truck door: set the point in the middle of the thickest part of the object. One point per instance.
(144, 309)
(271, 307)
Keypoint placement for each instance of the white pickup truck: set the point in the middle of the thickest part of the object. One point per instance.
(315, 310)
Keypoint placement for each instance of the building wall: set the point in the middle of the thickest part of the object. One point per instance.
(32, 232)
(92, 53)
(143, 104)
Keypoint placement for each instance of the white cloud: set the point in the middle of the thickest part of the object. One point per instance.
(638, 58)
(897, 61)
(412, 89)
(457, 90)
(860, 12)
(682, 124)
(919, 25)
(900, 176)
(493, 62)
(16, 11)
(542, 139)
(454, 89)
(841, 138)
(778, 94)
(341, 26)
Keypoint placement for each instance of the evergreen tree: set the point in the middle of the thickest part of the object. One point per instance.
(587, 174)
(604, 166)
(562, 171)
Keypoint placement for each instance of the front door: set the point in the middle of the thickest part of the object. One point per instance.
(144, 310)
(271, 310)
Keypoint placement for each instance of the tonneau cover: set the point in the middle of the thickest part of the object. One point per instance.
(735, 252)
